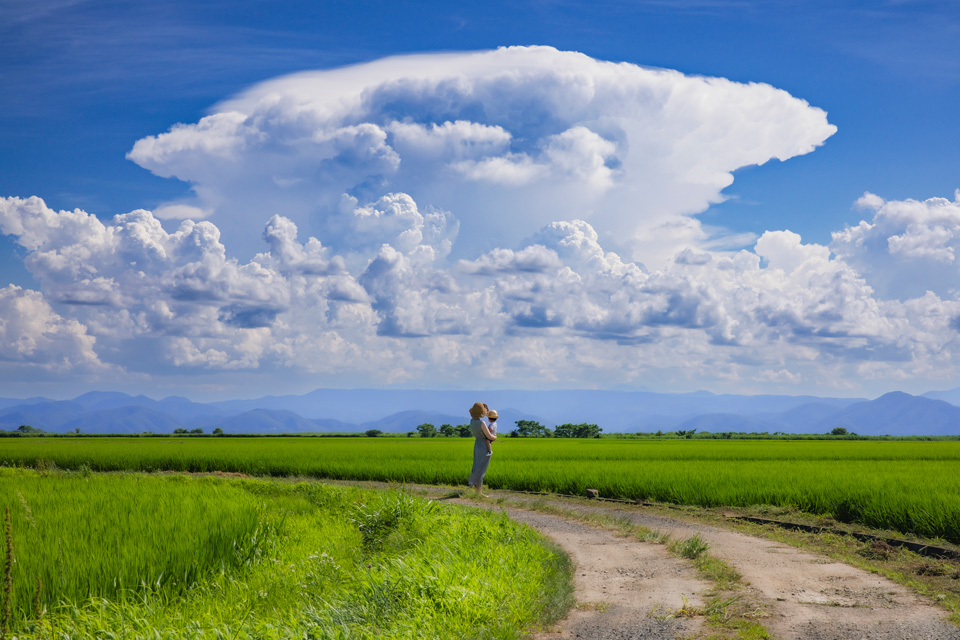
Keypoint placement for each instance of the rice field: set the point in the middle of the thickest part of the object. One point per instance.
(84, 536)
(159, 556)
(907, 486)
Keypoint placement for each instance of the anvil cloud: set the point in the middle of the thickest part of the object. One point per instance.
(520, 217)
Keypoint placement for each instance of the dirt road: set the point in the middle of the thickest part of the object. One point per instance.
(628, 589)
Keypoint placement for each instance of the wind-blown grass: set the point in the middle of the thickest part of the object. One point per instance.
(337, 562)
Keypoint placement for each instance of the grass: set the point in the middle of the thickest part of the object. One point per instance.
(305, 560)
(909, 487)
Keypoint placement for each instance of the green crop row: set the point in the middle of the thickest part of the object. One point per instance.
(134, 555)
(911, 487)
(82, 536)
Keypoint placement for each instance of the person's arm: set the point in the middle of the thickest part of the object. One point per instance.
(486, 432)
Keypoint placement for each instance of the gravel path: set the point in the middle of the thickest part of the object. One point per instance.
(626, 587)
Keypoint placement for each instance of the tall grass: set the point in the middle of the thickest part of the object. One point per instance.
(911, 487)
(342, 563)
(81, 536)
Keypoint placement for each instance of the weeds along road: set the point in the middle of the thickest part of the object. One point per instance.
(628, 587)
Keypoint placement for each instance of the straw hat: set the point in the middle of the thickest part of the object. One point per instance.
(492, 414)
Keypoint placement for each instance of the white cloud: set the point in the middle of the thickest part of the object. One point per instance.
(907, 248)
(448, 140)
(486, 219)
(179, 211)
(507, 141)
(33, 334)
(561, 308)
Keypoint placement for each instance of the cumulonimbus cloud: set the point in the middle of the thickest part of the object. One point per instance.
(418, 219)
(506, 141)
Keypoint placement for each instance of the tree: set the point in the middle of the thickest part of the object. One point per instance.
(25, 428)
(532, 429)
(198, 431)
(427, 430)
(218, 431)
(463, 430)
(180, 431)
(577, 431)
(448, 430)
(839, 431)
(372, 433)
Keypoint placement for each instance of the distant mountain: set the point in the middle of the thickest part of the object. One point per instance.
(807, 418)
(950, 395)
(410, 420)
(898, 413)
(47, 415)
(395, 410)
(721, 422)
(175, 406)
(335, 426)
(13, 402)
(124, 420)
(97, 400)
(612, 410)
(266, 421)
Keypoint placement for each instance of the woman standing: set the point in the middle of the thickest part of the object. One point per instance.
(481, 456)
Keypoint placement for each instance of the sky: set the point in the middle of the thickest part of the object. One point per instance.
(223, 200)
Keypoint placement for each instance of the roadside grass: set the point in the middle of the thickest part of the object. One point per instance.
(341, 562)
(729, 611)
(935, 579)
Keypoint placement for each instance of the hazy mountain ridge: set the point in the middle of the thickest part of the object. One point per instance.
(333, 410)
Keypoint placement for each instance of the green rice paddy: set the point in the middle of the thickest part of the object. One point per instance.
(908, 486)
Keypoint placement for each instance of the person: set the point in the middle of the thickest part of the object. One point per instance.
(492, 416)
(482, 438)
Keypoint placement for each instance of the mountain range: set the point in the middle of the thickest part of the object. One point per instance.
(392, 410)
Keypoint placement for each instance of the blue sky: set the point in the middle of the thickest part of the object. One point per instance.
(86, 80)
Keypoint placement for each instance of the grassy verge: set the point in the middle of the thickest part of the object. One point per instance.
(728, 611)
(332, 562)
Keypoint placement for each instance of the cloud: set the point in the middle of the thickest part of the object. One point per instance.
(32, 334)
(908, 246)
(561, 308)
(175, 211)
(394, 219)
(484, 219)
(131, 283)
(507, 141)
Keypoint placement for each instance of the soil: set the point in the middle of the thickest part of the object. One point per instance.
(628, 589)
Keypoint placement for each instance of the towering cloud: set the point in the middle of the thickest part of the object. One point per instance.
(506, 140)
(510, 217)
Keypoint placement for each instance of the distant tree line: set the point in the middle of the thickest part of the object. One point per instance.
(427, 430)
(533, 429)
(525, 429)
